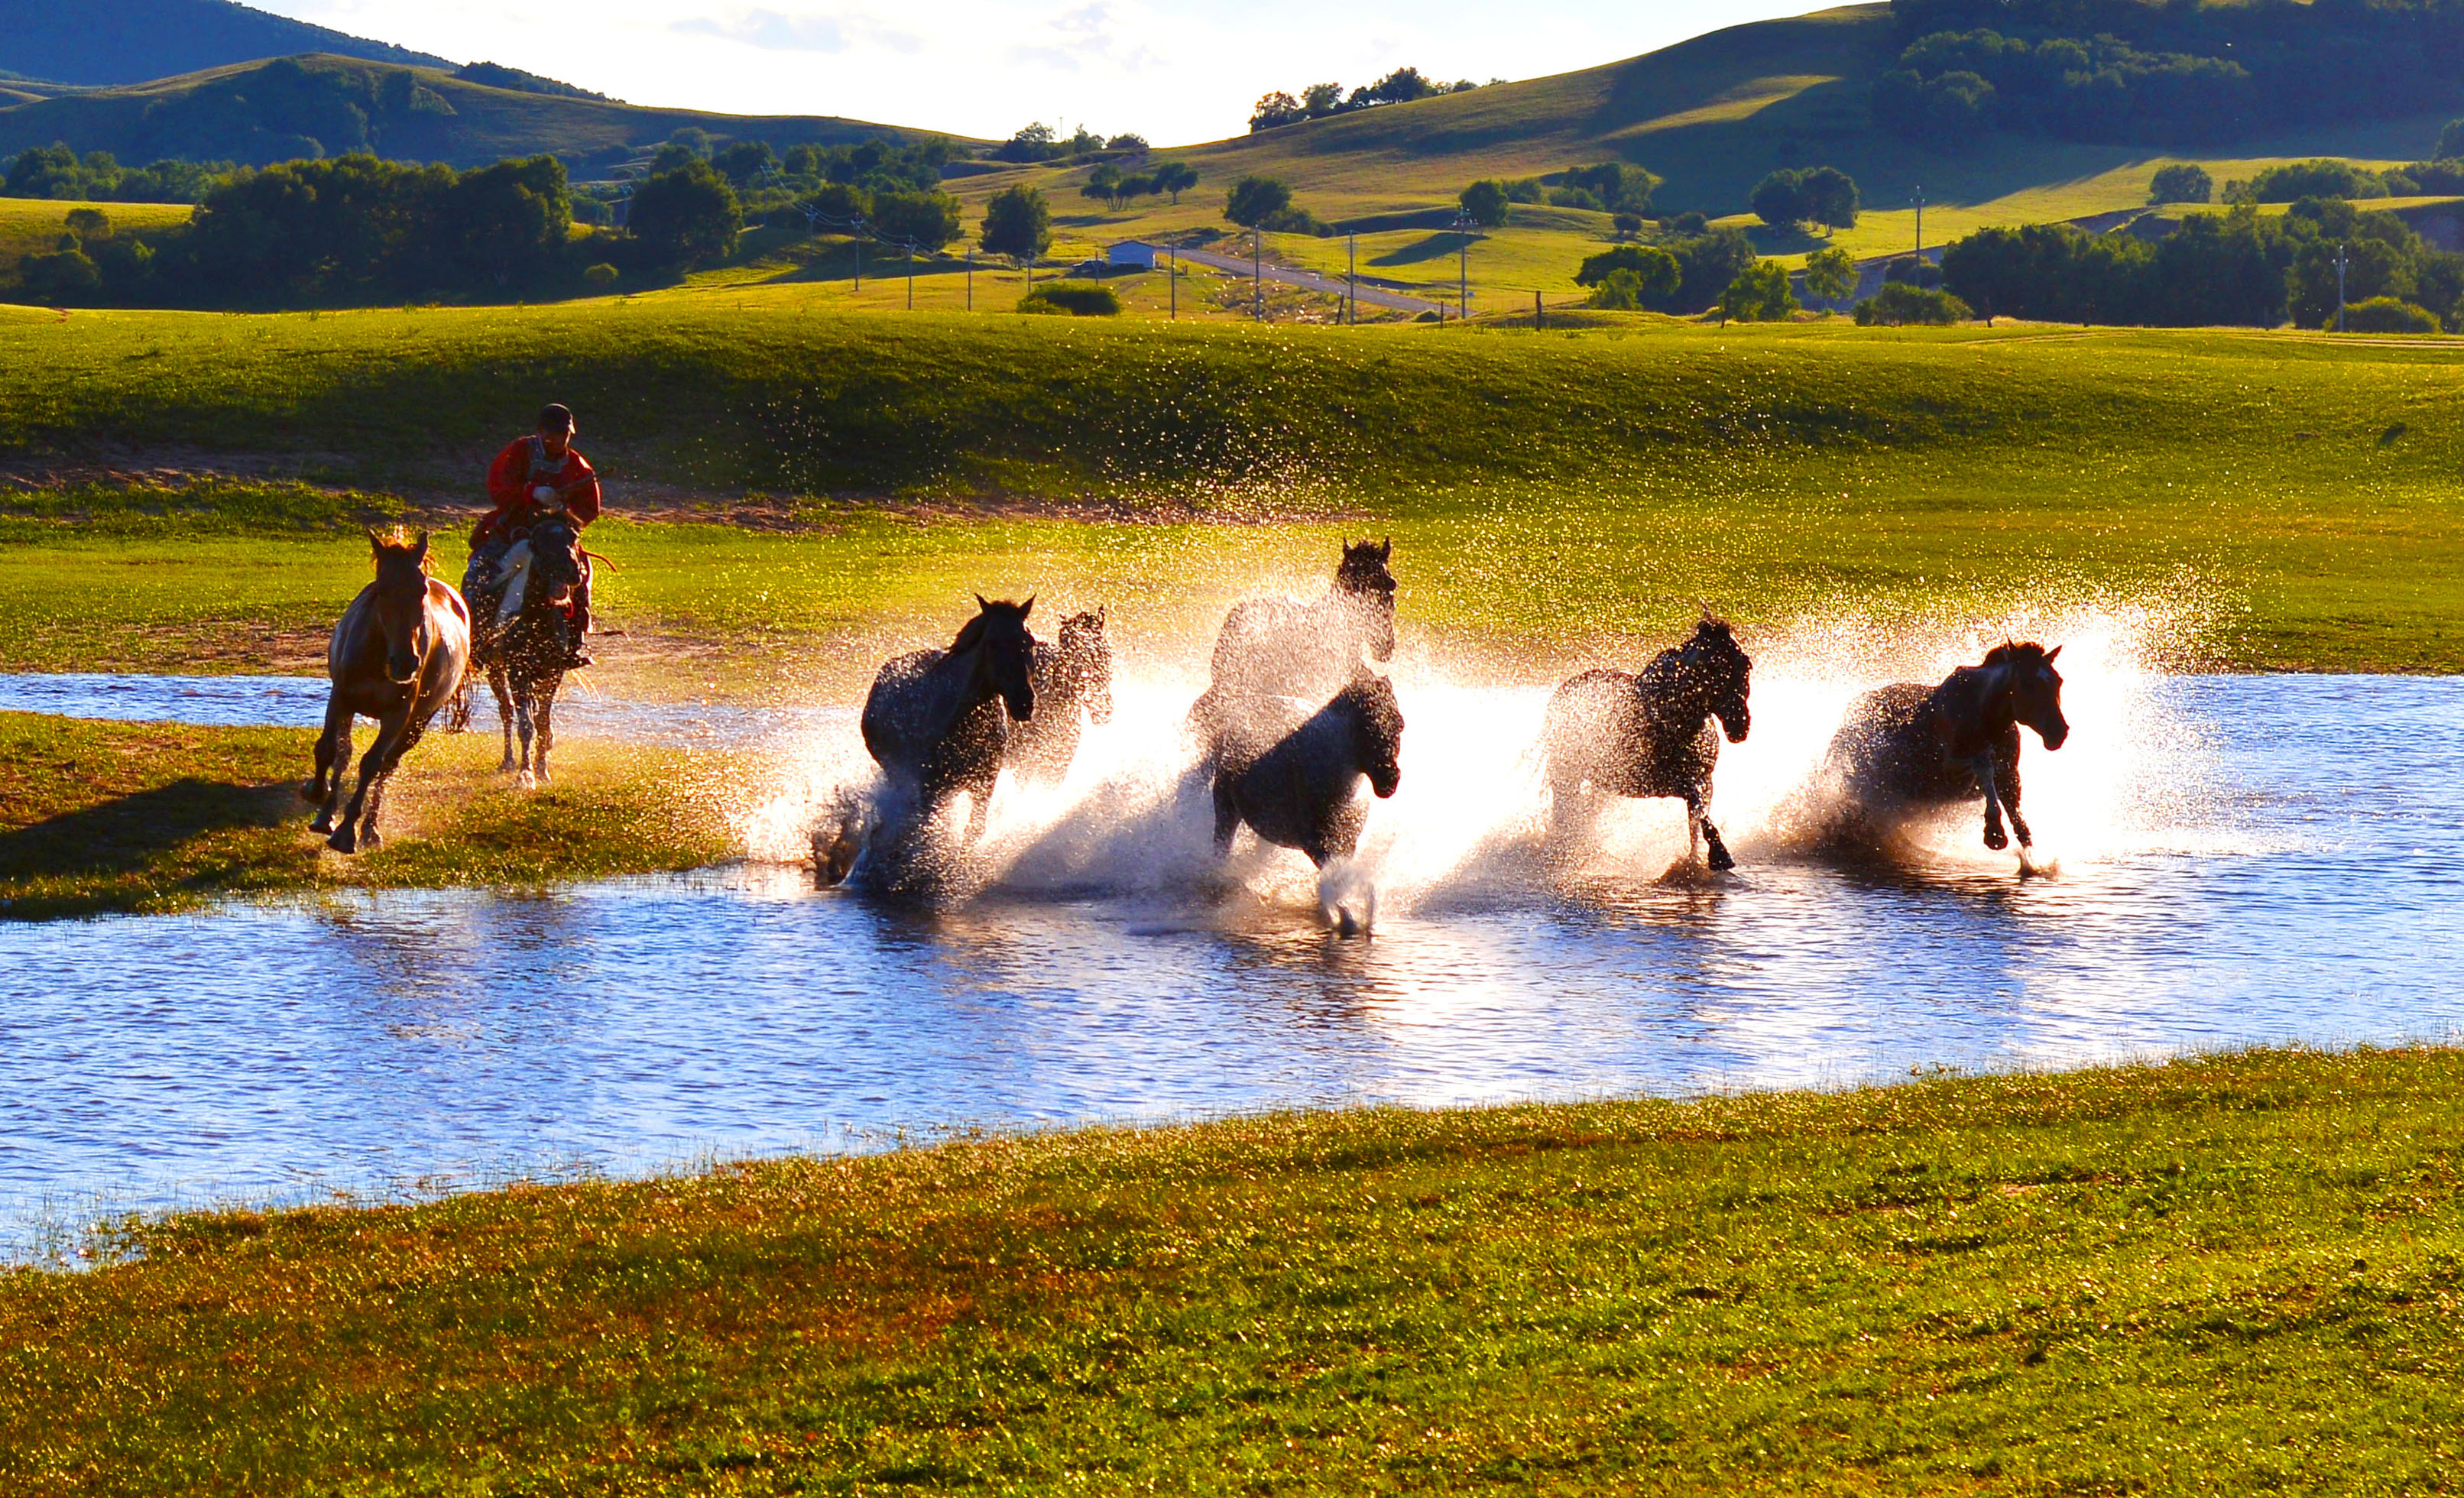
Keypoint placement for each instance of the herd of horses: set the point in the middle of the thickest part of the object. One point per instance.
(1296, 715)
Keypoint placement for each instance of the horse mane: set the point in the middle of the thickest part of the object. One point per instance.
(2021, 653)
(972, 633)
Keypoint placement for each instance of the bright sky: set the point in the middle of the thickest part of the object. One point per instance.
(1176, 70)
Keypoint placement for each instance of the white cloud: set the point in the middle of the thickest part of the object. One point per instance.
(1176, 70)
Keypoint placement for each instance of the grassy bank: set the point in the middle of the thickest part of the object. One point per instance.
(2292, 495)
(149, 817)
(2220, 1275)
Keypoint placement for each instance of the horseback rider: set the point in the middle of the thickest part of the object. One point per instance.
(533, 479)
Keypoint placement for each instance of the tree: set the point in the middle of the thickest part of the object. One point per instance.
(89, 224)
(1654, 273)
(1017, 224)
(1622, 290)
(2451, 141)
(1759, 294)
(1627, 223)
(2181, 183)
(1277, 108)
(1032, 143)
(686, 217)
(1103, 182)
(1127, 141)
(746, 162)
(1253, 200)
(507, 222)
(1402, 86)
(1173, 176)
(2387, 315)
(1899, 304)
(1484, 203)
(1780, 199)
(1320, 99)
(926, 220)
(1830, 197)
(1829, 275)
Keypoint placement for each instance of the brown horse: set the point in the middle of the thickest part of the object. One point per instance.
(1909, 746)
(397, 656)
(1611, 733)
(520, 639)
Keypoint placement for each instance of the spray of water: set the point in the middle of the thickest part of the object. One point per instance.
(1133, 821)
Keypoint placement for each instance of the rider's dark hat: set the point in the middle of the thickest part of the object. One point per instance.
(553, 416)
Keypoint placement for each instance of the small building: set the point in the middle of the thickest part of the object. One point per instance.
(1133, 253)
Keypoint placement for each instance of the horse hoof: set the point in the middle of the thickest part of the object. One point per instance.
(324, 823)
(525, 781)
(342, 842)
(1721, 862)
(1997, 839)
(311, 792)
(510, 767)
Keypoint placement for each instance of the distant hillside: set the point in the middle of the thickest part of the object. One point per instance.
(129, 41)
(326, 105)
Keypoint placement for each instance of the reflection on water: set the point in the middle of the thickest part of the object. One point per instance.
(2304, 890)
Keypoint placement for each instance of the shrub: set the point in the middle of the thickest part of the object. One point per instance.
(2451, 141)
(1898, 304)
(2181, 183)
(1654, 270)
(1830, 273)
(1759, 294)
(2387, 315)
(1622, 290)
(601, 276)
(1628, 224)
(1076, 299)
(1018, 223)
(2325, 177)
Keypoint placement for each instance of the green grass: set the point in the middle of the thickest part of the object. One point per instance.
(148, 818)
(34, 226)
(2228, 1274)
(1549, 492)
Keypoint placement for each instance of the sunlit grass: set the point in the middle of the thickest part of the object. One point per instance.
(2217, 1275)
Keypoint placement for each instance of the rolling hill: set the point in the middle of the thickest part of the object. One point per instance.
(103, 42)
(324, 105)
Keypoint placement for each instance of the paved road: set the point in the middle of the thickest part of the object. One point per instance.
(1311, 280)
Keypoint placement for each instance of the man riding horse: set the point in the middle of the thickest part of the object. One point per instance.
(533, 479)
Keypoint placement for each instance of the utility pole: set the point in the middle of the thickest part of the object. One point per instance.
(971, 278)
(1921, 230)
(1352, 277)
(1171, 278)
(2341, 263)
(911, 276)
(859, 252)
(1537, 312)
(1258, 273)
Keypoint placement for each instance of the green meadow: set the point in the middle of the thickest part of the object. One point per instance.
(2230, 1275)
(792, 484)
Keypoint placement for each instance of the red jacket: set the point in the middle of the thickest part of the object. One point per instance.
(510, 480)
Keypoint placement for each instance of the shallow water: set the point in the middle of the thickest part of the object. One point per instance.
(2237, 859)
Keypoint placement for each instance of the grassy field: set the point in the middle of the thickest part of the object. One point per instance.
(34, 226)
(2230, 1274)
(150, 817)
(826, 483)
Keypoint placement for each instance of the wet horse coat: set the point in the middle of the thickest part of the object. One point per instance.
(1278, 647)
(1074, 673)
(1292, 769)
(522, 641)
(1910, 747)
(1650, 734)
(396, 656)
(938, 721)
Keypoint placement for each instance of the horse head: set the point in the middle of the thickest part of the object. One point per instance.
(1364, 581)
(401, 602)
(2036, 688)
(1376, 729)
(1087, 656)
(556, 563)
(1005, 653)
(1715, 659)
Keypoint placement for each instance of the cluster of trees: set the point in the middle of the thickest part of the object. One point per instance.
(1822, 196)
(2181, 183)
(2332, 178)
(2230, 268)
(55, 171)
(2126, 69)
(1108, 183)
(1256, 202)
(496, 74)
(1042, 143)
(1319, 100)
(1614, 188)
(1683, 274)
(286, 110)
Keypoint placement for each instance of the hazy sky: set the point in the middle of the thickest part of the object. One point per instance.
(1176, 70)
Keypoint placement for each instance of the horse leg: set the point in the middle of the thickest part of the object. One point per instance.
(979, 805)
(334, 752)
(2006, 776)
(372, 766)
(522, 776)
(411, 737)
(338, 720)
(1698, 817)
(1988, 776)
(504, 715)
(1227, 815)
(545, 715)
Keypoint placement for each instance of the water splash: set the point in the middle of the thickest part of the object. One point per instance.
(1468, 826)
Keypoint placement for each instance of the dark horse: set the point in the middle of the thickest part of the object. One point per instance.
(1616, 734)
(397, 655)
(1278, 647)
(1909, 746)
(938, 721)
(1073, 672)
(1290, 770)
(520, 636)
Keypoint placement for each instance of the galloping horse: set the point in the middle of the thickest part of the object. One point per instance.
(1290, 769)
(1620, 733)
(938, 721)
(1909, 746)
(1076, 670)
(1277, 647)
(397, 655)
(522, 640)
